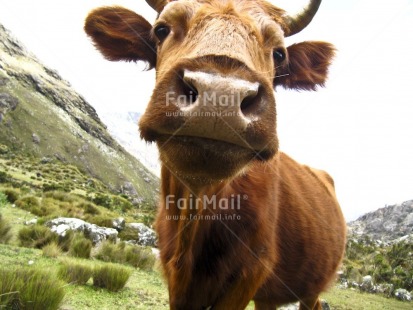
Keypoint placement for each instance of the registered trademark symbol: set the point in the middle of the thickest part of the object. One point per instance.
(245, 197)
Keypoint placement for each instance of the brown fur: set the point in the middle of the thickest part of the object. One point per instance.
(279, 235)
(120, 34)
(307, 67)
(286, 246)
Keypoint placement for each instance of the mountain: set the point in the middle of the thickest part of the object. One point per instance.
(124, 128)
(42, 116)
(391, 223)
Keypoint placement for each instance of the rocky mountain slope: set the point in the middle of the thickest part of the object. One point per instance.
(123, 127)
(387, 224)
(42, 116)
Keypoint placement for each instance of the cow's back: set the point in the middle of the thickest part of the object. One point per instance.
(310, 233)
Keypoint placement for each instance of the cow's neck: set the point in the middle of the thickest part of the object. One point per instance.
(185, 239)
(185, 206)
(193, 200)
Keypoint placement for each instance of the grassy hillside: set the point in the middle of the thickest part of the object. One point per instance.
(29, 176)
(42, 117)
(145, 288)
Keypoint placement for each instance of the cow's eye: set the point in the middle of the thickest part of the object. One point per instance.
(279, 55)
(161, 32)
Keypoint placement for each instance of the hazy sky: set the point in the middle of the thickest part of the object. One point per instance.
(359, 128)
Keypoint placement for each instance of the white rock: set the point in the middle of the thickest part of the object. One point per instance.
(95, 233)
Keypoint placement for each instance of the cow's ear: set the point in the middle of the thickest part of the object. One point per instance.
(306, 67)
(120, 34)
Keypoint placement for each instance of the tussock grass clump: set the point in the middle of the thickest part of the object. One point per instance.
(52, 250)
(12, 194)
(120, 203)
(61, 196)
(122, 253)
(28, 288)
(3, 199)
(66, 240)
(101, 220)
(89, 208)
(36, 236)
(129, 233)
(140, 257)
(80, 246)
(34, 205)
(4, 177)
(73, 272)
(5, 231)
(112, 277)
(28, 203)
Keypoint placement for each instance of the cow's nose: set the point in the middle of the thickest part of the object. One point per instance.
(218, 107)
(211, 94)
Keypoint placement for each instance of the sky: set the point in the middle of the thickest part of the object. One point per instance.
(359, 127)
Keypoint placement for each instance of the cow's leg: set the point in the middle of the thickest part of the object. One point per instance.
(310, 304)
(260, 305)
(243, 290)
(236, 298)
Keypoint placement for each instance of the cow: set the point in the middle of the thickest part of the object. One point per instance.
(239, 220)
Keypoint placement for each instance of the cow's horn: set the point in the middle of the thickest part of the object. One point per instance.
(298, 22)
(157, 5)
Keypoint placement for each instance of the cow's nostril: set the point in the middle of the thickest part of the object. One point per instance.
(190, 92)
(187, 91)
(250, 104)
(247, 104)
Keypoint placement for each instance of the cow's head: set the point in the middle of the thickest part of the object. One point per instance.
(212, 111)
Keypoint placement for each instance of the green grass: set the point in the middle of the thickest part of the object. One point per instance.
(339, 299)
(36, 236)
(144, 289)
(52, 250)
(147, 290)
(134, 255)
(5, 230)
(112, 277)
(80, 246)
(75, 272)
(29, 288)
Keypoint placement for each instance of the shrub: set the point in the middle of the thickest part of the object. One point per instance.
(80, 246)
(89, 208)
(108, 252)
(111, 276)
(3, 199)
(27, 288)
(61, 196)
(5, 231)
(139, 257)
(28, 203)
(66, 240)
(122, 253)
(148, 219)
(103, 200)
(36, 236)
(4, 177)
(4, 149)
(52, 187)
(11, 194)
(101, 220)
(47, 207)
(121, 203)
(129, 233)
(73, 272)
(52, 250)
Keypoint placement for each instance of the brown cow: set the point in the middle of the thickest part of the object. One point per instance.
(239, 220)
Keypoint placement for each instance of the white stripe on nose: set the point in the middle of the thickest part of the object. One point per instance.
(218, 94)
